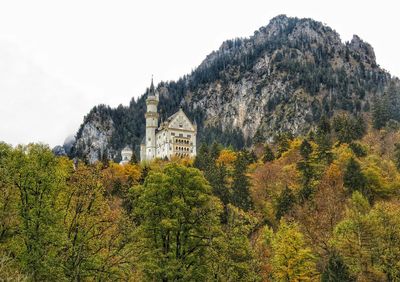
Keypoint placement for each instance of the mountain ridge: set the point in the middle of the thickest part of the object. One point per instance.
(283, 78)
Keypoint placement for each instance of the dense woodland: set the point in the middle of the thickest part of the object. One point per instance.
(324, 207)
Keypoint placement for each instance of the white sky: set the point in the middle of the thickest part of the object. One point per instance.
(60, 58)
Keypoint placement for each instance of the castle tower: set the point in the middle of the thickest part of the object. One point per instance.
(151, 123)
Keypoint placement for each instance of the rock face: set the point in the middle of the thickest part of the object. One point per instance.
(95, 136)
(281, 79)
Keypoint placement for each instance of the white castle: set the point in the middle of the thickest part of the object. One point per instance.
(174, 137)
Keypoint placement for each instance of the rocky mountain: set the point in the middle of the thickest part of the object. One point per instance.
(283, 78)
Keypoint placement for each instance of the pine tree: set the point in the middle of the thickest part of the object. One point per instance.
(354, 179)
(285, 202)
(397, 155)
(336, 270)
(134, 159)
(268, 155)
(241, 184)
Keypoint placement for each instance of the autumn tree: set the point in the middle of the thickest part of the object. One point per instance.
(292, 260)
(39, 177)
(94, 245)
(9, 198)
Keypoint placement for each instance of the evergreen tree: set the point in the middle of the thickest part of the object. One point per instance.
(305, 149)
(285, 202)
(202, 157)
(380, 113)
(282, 140)
(348, 128)
(336, 270)
(397, 155)
(241, 184)
(323, 139)
(215, 150)
(268, 155)
(354, 179)
(134, 159)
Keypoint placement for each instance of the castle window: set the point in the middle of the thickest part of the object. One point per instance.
(180, 135)
(181, 125)
(189, 136)
(173, 133)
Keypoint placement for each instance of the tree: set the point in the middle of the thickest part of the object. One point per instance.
(39, 177)
(268, 155)
(178, 221)
(336, 270)
(368, 239)
(323, 139)
(305, 149)
(9, 199)
(306, 169)
(353, 178)
(349, 128)
(380, 113)
(134, 159)
(241, 184)
(397, 155)
(282, 140)
(292, 260)
(95, 247)
(232, 257)
(285, 202)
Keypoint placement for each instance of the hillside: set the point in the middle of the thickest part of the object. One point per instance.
(283, 78)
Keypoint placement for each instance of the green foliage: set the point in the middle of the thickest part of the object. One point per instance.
(323, 139)
(386, 108)
(336, 270)
(358, 149)
(368, 240)
(179, 220)
(397, 155)
(241, 184)
(292, 260)
(38, 177)
(305, 149)
(283, 140)
(268, 155)
(285, 202)
(349, 128)
(354, 179)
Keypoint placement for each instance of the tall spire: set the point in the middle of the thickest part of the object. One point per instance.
(151, 91)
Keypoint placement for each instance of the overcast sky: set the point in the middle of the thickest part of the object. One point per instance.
(60, 58)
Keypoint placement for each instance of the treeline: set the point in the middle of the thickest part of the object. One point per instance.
(323, 207)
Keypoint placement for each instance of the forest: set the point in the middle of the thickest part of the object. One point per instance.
(324, 207)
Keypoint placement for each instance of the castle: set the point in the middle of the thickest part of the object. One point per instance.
(174, 137)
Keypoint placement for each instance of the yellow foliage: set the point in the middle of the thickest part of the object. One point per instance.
(226, 157)
(342, 154)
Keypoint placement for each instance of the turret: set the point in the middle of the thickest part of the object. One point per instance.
(151, 122)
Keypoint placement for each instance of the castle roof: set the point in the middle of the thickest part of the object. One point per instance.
(152, 91)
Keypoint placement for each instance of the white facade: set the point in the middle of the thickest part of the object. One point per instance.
(174, 137)
(126, 155)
